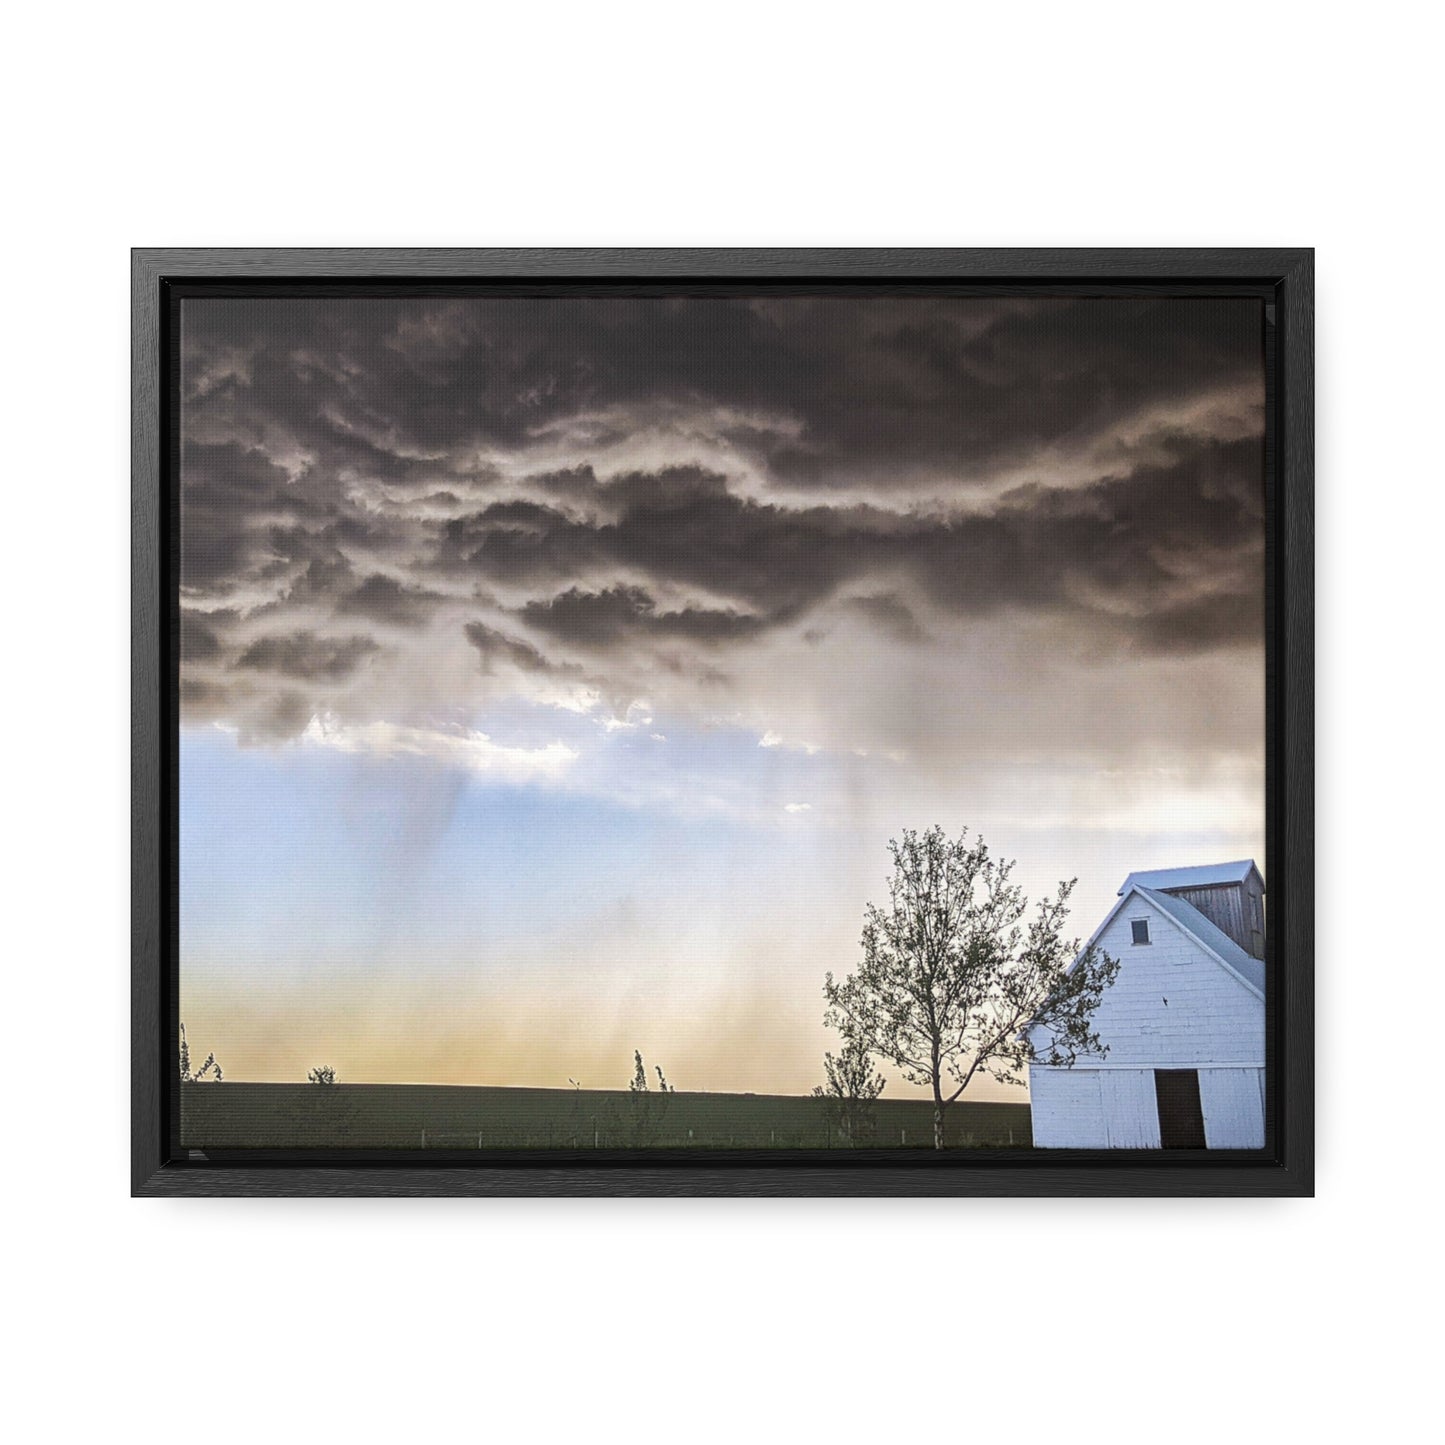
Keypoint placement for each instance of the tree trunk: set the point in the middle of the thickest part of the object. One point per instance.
(937, 1119)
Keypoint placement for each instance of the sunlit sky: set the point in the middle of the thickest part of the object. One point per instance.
(554, 671)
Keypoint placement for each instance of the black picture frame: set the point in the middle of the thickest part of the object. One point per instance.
(1284, 278)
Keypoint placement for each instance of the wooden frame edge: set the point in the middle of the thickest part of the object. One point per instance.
(1291, 270)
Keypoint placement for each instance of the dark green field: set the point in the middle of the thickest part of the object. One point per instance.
(415, 1116)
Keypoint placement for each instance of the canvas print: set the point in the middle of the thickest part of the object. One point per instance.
(721, 722)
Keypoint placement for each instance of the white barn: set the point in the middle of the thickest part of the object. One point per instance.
(1183, 1021)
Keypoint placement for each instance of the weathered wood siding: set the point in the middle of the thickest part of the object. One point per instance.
(1173, 1006)
(1237, 910)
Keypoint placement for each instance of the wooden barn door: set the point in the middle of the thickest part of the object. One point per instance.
(1181, 1119)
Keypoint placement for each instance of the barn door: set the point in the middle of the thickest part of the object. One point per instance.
(1181, 1119)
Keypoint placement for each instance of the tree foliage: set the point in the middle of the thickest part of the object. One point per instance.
(323, 1117)
(955, 972)
(209, 1069)
(852, 1085)
(647, 1107)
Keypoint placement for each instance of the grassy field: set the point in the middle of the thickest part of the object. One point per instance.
(413, 1116)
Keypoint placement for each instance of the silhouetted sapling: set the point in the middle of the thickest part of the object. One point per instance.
(648, 1108)
(209, 1069)
(852, 1086)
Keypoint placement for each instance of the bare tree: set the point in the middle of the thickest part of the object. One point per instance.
(953, 972)
(210, 1067)
(852, 1086)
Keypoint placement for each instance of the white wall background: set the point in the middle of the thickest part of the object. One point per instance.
(742, 124)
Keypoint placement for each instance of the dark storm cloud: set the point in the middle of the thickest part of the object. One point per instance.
(404, 388)
(518, 541)
(1129, 548)
(492, 645)
(1215, 620)
(682, 526)
(385, 381)
(232, 495)
(1152, 555)
(599, 619)
(303, 655)
(200, 641)
(383, 599)
(891, 616)
(958, 399)
(608, 477)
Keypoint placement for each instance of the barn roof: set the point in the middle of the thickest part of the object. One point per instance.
(1216, 940)
(1203, 877)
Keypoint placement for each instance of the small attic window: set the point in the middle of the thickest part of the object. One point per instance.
(1141, 929)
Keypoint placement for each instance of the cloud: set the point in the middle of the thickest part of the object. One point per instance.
(492, 646)
(847, 519)
(1175, 547)
(890, 615)
(303, 655)
(466, 751)
(597, 619)
(383, 599)
(771, 739)
(200, 640)
(821, 393)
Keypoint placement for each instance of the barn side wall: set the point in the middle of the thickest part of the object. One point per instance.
(1233, 1104)
(1109, 1108)
(1067, 1110)
(1131, 1109)
(1094, 1108)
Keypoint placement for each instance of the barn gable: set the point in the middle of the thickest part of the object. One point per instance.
(1188, 996)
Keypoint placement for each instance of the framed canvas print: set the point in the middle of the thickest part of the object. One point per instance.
(729, 722)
